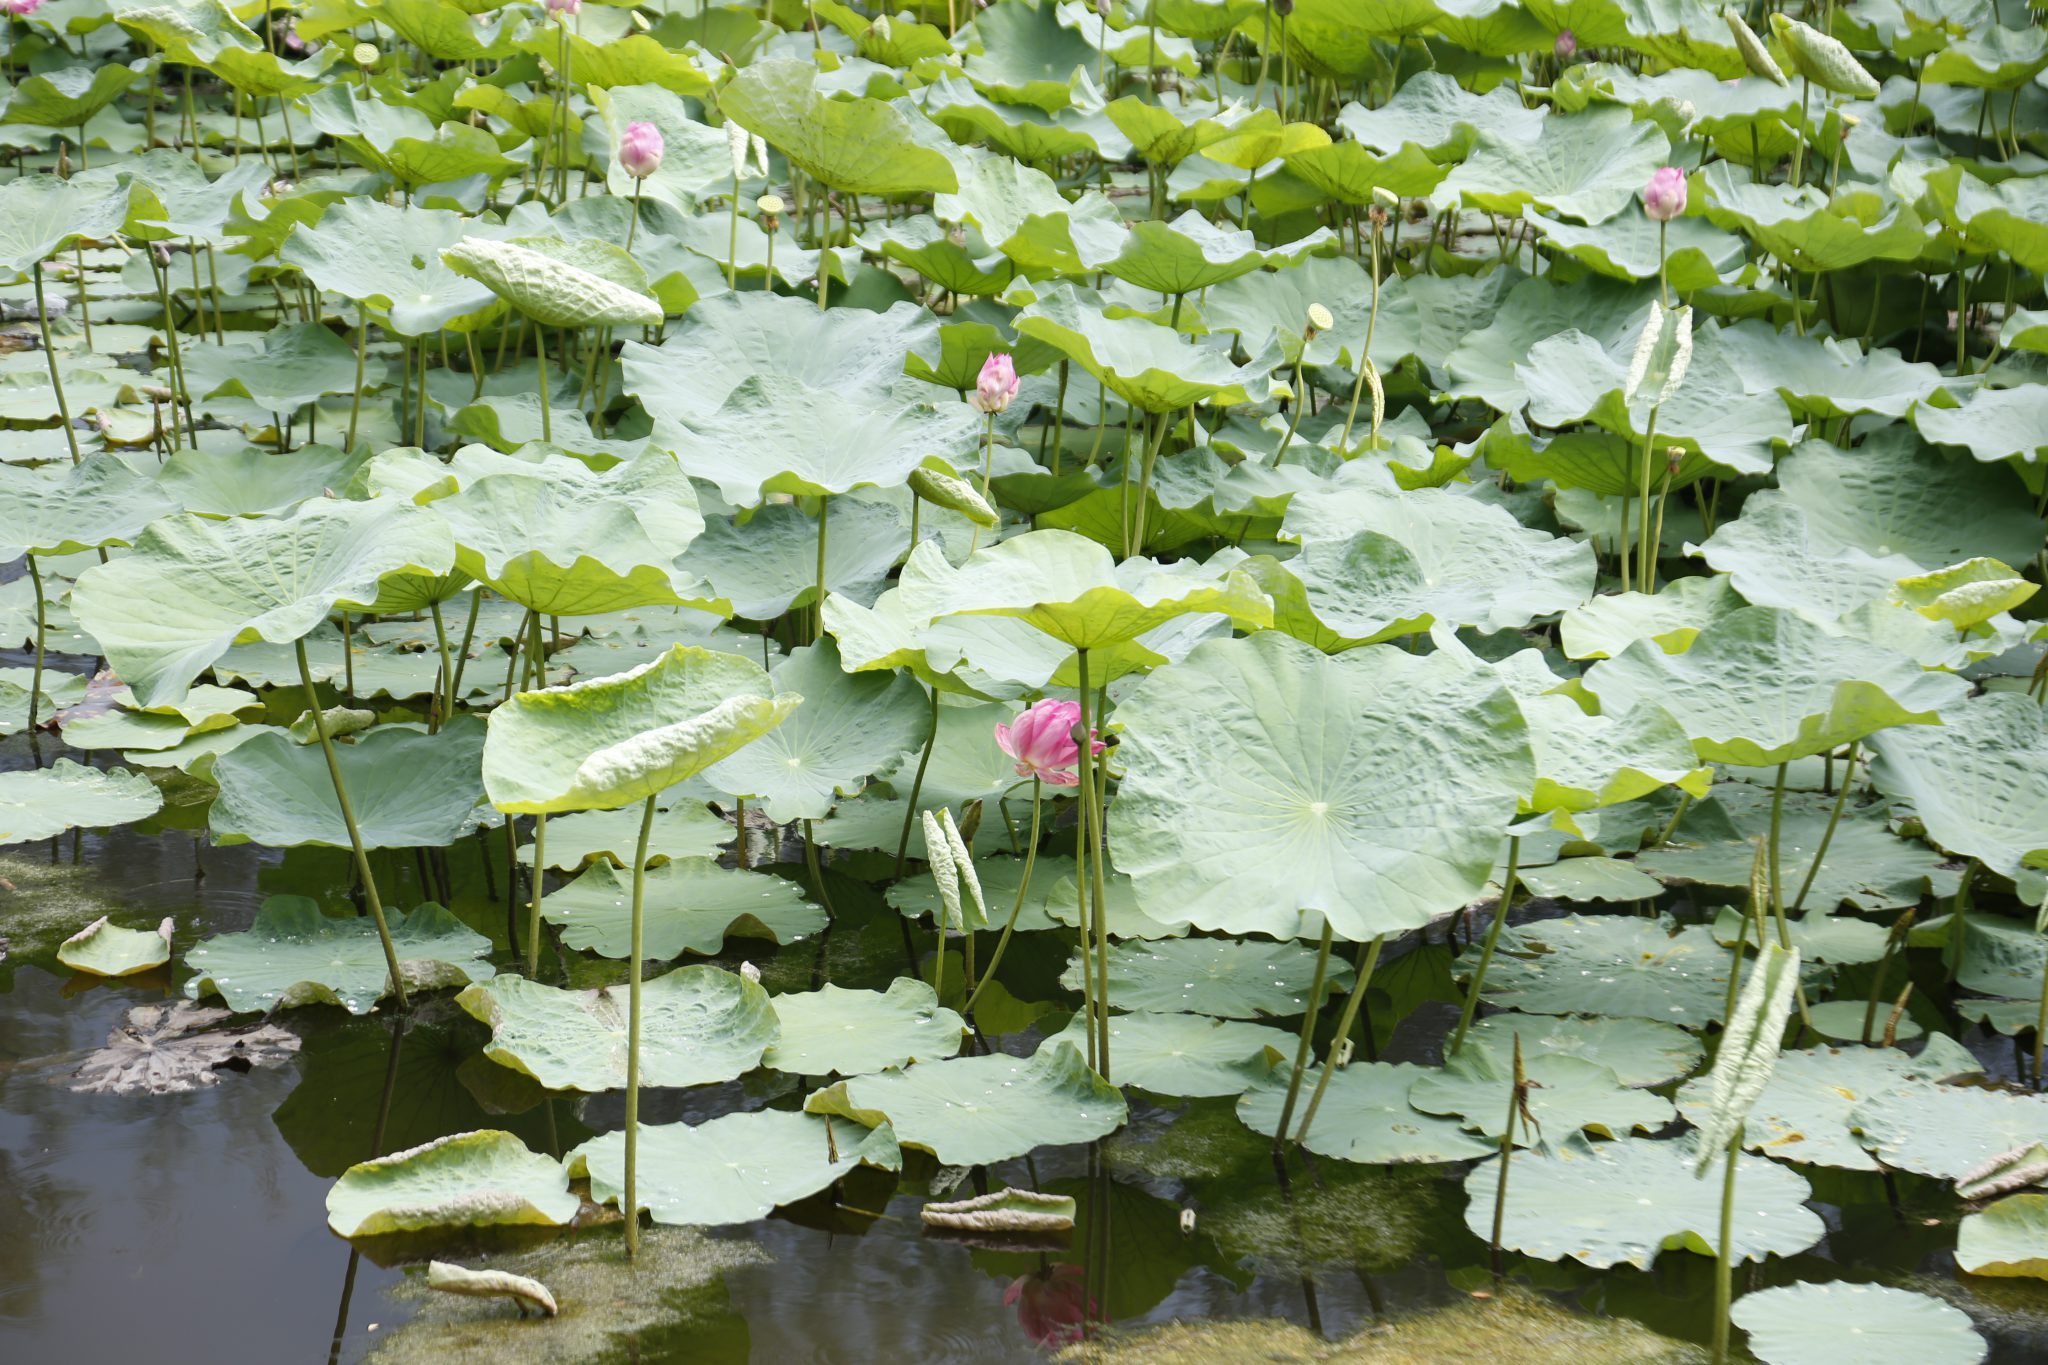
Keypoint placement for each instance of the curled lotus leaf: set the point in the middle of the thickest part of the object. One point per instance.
(491, 1284)
(1978, 782)
(107, 949)
(466, 1180)
(551, 292)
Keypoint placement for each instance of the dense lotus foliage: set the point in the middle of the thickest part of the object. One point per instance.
(1450, 586)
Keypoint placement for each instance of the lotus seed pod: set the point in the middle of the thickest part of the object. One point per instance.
(364, 54)
(1382, 195)
(1822, 60)
(1319, 319)
(1755, 55)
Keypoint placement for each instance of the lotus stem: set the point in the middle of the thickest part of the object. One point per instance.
(1265, 54)
(631, 1205)
(1500, 917)
(1663, 279)
(1136, 544)
(1369, 961)
(732, 249)
(348, 818)
(1778, 887)
(476, 602)
(1516, 1102)
(916, 786)
(1646, 557)
(817, 871)
(818, 606)
(1621, 542)
(442, 704)
(1294, 408)
(85, 299)
(50, 358)
(1827, 835)
(540, 354)
(1671, 826)
(995, 959)
(1365, 354)
(1959, 922)
(1308, 1037)
(1091, 817)
(988, 466)
(1663, 501)
(1057, 432)
(540, 845)
(1098, 872)
(35, 690)
(355, 402)
(1892, 943)
(1724, 1264)
(2041, 1018)
(633, 223)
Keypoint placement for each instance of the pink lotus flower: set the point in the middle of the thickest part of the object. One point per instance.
(1042, 742)
(1664, 196)
(1053, 1306)
(640, 150)
(1566, 45)
(20, 8)
(564, 7)
(996, 385)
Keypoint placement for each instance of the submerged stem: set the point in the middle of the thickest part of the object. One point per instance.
(1308, 1037)
(1369, 961)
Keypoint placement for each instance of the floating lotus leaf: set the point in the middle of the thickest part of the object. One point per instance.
(1147, 365)
(1619, 968)
(980, 1110)
(1640, 1052)
(294, 954)
(62, 509)
(1947, 1131)
(408, 789)
(1365, 1116)
(2008, 1239)
(1590, 878)
(834, 1031)
(1774, 559)
(683, 828)
(1570, 1094)
(1586, 166)
(1383, 782)
(1624, 1202)
(1868, 1324)
(106, 949)
(468, 1180)
(612, 741)
(733, 1169)
(1186, 1054)
(767, 562)
(192, 587)
(177, 1048)
(1223, 978)
(697, 1025)
(550, 291)
(862, 146)
(40, 803)
(691, 905)
(1489, 360)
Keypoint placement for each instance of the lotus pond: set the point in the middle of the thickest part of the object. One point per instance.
(1154, 680)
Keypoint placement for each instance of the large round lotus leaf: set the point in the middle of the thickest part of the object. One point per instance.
(467, 1180)
(1570, 1094)
(973, 1111)
(2008, 1239)
(612, 741)
(1640, 1052)
(1191, 253)
(684, 829)
(550, 291)
(1946, 1131)
(1225, 978)
(1993, 424)
(40, 213)
(1825, 377)
(1023, 214)
(62, 509)
(768, 563)
(697, 1025)
(1582, 761)
(1761, 686)
(1264, 780)
(36, 803)
(1588, 878)
(1807, 227)
(1696, 254)
(834, 1031)
(565, 541)
(106, 949)
(1773, 558)
(1622, 968)
(863, 146)
(1069, 587)
(292, 366)
(848, 726)
(1149, 366)
(733, 1169)
(1855, 1324)
(1433, 112)
(1587, 166)
(1186, 1054)
(1978, 782)
(690, 905)
(192, 586)
(1365, 1116)
(1621, 1203)
(408, 789)
(256, 482)
(1803, 1114)
(1671, 618)
(293, 954)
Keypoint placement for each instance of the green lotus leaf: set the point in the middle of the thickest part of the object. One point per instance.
(1570, 1094)
(467, 1180)
(862, 146)
(682, 828)
(1775, 559)
(1051, 890)
(1823, 377)
(1947, 1131)
(1671, 619)
(833, 1031)
(69, 96)
(1485, 361)
(548, 290)
(609, 742)
(698, 1025)
(1991, 58)
(1588, 166)
(1992, 424)
(1270, 308)
(1429, 746)
(390, 259)
(921, 243)
(1627, 968)
(1024, 131)
(294, 954)
(2003, 216)
(1365, 1116)
(1027, 56)
(1070, 588)
(1762, 686)
(1020, 212)
(966, 765)
(1186, 1054)
(39, 803)
(1347, 171)
(971, 1111)
(2008, 1239)
(1803, 1115)
(404, 142)
(1813, 1324)
(1148, 366)
(1431, 105)
(106, 949)
(63, 509)
(292, 367)
(1590, 878)
(202, 710)
(1223, 978)
(1978, 781)
(1191, 253)
(1806, 227)
(408, 789)
(733, 1169)
(631, 59)
(1624, 1202)
(193, 587)
(1625, 247)
(695, 158)
(40, 213)
(447, 31)
(847, 726)
(1639, 1052)
(1966, 594)
(691, 905)
(1172, 130)
(252, 481)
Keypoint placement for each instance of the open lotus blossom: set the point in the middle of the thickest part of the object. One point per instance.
(640, 150)
(996, 385)
(1042, 742)
(1664, 196)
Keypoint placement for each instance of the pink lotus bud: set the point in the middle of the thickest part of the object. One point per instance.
(288, 34)
(997, 384)
(640, 150)
(20, 8)
(1042, 741)
(1664, 196)
(564, 7)
(1566, 46)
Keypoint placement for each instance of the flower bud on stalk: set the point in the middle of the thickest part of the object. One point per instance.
(996, 385)
(640, 150)
(1565, 46)
(1664, 196)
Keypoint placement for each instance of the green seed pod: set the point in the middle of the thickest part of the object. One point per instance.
(1755, 55)
(952, 493)
(1822, 60)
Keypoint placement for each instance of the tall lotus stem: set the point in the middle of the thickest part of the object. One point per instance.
(1368, 963)
(1518, 1108)
(1308, 1038)
(1091, 818)
(540, 847)
(444, 697)
(348, 818)
(633, 223)
(631, 1206)
(355, 402)
(1827, 835)
(50, 358)
(35, 690)
(1724, 1265)
(1778, 886)
(540, 355)
(818, 606)
(1136, 543)
(916, 786)
(1500, 917)
(1023, 889)
(1673, 457)
(1378, 217)
(1646, 552)
(2041, 1017)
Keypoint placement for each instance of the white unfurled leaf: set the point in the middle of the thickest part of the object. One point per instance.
(490, 1284)
(938, 851)
(971, 898)
(1749, 1050)
(1663, 351)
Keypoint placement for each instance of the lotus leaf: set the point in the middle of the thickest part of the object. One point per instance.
(408, 789)
(1619, 968)
(2009, 1239)
(39, 803)
(834, 1031)
(1587, 166)
(1947, 1131)
(1639, 1052)
(1365, 1117)
(177, 1048)
(294, 954)
(1186, 1054)
(1148, 366)
(1569, 1094)
(106, 949)
(692, 905)
(864, 146)
(1867, 1324)
(1222, 978)
(467, 1180)
(549, 290)
(1979, 781)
